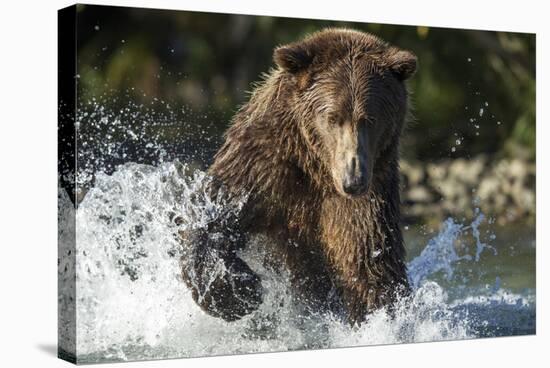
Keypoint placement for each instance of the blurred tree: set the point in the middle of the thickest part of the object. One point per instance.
(474, 91)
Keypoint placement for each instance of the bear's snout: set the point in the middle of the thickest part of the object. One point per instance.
(355, 180)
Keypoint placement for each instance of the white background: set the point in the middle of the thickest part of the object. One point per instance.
(28, 223)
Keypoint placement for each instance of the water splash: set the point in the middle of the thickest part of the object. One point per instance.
(440, 254)
(149, 133)
(132, 303)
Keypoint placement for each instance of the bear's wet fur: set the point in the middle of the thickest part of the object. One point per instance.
(316, 150)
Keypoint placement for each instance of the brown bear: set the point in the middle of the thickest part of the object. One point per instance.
(315, 150)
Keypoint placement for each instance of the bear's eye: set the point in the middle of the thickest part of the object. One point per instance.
(367, 121)
(370, 120)
(334, 120)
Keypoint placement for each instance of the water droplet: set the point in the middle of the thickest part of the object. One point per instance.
(469, 60)
(453, 149)
(481, 112)
(96, 28)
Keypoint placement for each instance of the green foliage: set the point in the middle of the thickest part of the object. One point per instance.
(474, 91)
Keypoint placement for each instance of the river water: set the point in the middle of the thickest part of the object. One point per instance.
(132, 303)
(471, 278)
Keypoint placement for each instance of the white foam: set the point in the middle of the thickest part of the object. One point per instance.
(132, 303)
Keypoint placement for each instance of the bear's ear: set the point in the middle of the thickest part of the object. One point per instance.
(293, 57)
(403, 64)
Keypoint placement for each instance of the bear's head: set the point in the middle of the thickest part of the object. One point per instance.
(348, 95)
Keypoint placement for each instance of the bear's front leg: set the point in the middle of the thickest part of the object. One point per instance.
(221, 283)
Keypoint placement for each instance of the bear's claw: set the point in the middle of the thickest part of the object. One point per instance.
(232, 294)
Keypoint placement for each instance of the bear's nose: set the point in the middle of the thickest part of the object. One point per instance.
(354, 182)
(354, 185)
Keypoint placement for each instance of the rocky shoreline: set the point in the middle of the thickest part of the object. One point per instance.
(503, 189)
